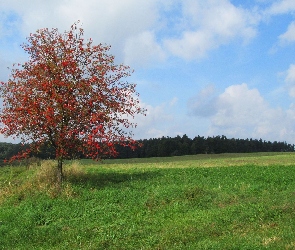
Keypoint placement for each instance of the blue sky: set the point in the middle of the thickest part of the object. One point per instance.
(202, 67)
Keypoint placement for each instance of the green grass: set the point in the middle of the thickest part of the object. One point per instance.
(229, 201)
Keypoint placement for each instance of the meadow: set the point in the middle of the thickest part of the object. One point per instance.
(226, 201)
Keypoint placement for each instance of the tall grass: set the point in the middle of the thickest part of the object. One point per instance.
(150, 206)
(25, 181)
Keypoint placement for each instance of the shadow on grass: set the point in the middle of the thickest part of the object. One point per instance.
(101, 180)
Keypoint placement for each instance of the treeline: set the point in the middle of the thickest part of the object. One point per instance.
(172, 146)
(176, 146)
(7, 150)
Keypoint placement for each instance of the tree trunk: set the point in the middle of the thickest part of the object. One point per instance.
(59, 173)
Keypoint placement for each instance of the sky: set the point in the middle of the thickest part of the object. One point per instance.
(202, 67)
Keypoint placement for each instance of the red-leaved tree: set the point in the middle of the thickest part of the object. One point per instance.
(71, 94)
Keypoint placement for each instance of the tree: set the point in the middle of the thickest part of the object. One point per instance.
(71, 94)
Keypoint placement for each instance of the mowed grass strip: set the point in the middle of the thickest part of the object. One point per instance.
(152, 205)
(202, 160)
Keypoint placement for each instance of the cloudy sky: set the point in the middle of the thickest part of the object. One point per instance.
(202, 67)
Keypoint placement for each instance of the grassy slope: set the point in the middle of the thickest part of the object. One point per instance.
(191, 202)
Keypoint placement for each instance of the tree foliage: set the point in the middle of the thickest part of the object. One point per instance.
(71, 94)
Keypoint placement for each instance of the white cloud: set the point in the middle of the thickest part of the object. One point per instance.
(281, 7)
(209, 25)
(142, 49)
(8, 24)
(9, 139)
(239, 106)
(289, 35)
(204, 103)
(158, 122)
(140, 31)
(241, 112)
(290, 80)
(106, 21)
(8, 57)
(173, 102)
(4, 71)
(107, 18)
(191, 45)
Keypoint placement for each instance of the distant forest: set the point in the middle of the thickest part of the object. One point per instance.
(176, 146)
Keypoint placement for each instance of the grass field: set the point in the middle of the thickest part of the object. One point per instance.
(227, 201)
